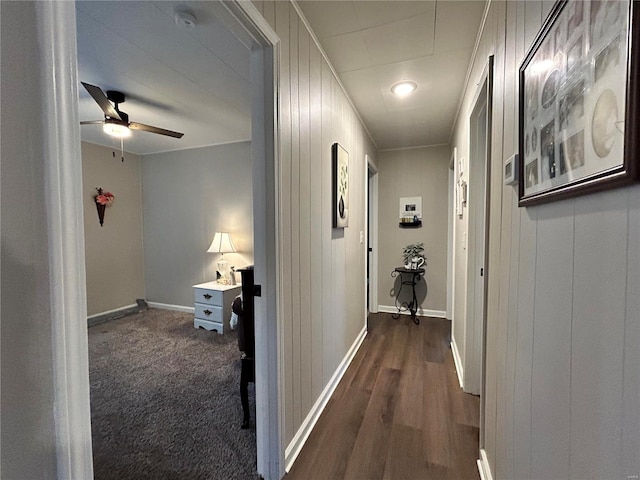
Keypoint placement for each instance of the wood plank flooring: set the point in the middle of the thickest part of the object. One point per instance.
(398, 413)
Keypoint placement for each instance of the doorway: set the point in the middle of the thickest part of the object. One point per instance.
(371, 216)
(477, 254)
(57, 24)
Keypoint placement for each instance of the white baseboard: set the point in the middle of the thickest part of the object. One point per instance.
(301, 436)
(483, 466)
(115, 310)
(175, 308)
(421, 311)
(457, 360)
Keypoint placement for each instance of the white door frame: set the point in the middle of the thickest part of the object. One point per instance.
(371, 221)
(265, 147)
(60, 142)
(56, 23)
(478, 228)
(450, 235)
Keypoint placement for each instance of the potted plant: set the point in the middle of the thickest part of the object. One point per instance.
(413, 255)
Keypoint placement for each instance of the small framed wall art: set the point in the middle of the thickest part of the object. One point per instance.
(340, 163)
(578, 104)
(410, 211)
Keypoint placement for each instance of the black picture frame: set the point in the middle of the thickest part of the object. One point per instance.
(579, 102)
(340, 186)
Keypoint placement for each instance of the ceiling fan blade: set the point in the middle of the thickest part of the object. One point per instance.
(91, 122)
(149, 128)
(102, 100)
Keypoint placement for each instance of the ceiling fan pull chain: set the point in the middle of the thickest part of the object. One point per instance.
(122, 149)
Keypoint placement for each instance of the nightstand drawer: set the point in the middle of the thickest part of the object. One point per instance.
(211, 313)
(208, 296)
(218, 327)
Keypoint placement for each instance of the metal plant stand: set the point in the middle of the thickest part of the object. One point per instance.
(408, 277)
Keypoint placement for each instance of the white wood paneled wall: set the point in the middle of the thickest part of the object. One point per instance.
(323, 308)
(563, 334)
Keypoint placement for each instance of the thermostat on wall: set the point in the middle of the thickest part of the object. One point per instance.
(511, 170)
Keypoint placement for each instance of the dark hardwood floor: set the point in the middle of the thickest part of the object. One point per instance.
(398, 413)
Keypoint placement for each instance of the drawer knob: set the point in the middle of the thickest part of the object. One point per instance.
(207, 296)
(207, 312)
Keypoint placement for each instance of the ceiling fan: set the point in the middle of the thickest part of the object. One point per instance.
(116, 123)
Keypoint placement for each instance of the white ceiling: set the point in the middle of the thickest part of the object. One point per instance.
(375, 44)
(197, 81)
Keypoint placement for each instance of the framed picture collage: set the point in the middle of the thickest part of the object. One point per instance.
(575, 103)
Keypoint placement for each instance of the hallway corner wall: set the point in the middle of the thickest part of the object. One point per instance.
(417, 172)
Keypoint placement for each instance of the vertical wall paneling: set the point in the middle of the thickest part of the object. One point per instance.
(327, 231)
(315, 217)
(493, 415)
(294, 24)
(524, 348)
(533, 21)
(355, 248)
(599, 292)
(269, 12)
(550, 394)
(323, 300)
(336, 234)
(563, 363)
(282, 28)
(524, 345)
(547, 5)
(304, 219)
(631, 378)
(514, 51)
(491, 294)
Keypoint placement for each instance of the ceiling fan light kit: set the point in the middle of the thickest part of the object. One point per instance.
(115, 129)
(116, 123)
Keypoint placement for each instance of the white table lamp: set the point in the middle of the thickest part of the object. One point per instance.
(222, 244)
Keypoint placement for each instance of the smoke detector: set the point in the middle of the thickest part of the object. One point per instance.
(185, 19)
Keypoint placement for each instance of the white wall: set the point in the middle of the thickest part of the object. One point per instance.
(416, 172)
(188, 195)
(113, 251)
(563, 356)
(322, 284)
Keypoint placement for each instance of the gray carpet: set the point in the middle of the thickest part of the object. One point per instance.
(165, 401)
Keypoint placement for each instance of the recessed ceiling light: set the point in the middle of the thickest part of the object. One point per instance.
(403, 88)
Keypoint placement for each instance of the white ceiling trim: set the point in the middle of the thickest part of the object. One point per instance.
(333, 70)
(414, 147)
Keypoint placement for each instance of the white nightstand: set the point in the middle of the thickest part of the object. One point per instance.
(213, 305)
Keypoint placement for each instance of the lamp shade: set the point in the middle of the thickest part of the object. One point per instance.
(221, 243)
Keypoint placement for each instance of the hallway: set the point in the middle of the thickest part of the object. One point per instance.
(398, 413)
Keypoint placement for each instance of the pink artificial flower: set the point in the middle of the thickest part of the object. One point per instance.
(104, 198)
